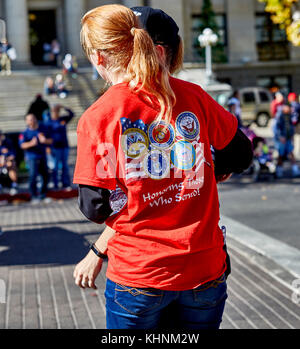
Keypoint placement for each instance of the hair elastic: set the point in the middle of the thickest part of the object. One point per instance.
(132, 31)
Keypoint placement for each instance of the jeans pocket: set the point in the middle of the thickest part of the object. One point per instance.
(211, 293)
(137, 301)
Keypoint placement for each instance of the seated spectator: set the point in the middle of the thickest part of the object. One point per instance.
(38, 107)
(60, 86)
(49, 86)
(60, 146)
(8, 163)
(263, 154)
(34, 141)
(70, 65)
(5, 64)
(8, 54)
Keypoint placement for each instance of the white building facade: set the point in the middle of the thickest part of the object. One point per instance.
(254, 52)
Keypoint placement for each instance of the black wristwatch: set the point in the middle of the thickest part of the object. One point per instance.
(97, 252)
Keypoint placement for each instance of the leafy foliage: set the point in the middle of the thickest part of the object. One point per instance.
(208, 20)
(282, 14)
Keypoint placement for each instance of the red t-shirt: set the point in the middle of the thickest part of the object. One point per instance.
(163, 190)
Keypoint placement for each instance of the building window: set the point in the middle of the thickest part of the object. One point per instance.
(276, 83)
(219, 51)
(271, 41)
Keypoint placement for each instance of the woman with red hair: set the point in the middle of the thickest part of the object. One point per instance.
(156, 179)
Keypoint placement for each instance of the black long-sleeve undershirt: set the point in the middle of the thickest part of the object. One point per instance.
(236, 157)
(94, 203)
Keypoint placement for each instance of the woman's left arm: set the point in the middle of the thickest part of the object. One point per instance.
(94, 204)
(87, 270)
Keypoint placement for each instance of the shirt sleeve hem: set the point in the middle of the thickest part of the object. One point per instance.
(106, 184)
(229, 139)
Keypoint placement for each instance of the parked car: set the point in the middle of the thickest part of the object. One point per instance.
(255, 103)
(218, 90)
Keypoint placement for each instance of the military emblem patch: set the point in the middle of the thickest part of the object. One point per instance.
(161, 135)
(117, 200)
(134, 142)
(157, 164)
(183, 155)
(187, 125)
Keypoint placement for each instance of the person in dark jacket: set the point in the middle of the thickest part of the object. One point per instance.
(38, 107)
(34, 141)
(284, 133)
(60, 146)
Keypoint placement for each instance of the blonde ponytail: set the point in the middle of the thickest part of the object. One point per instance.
(114, 30)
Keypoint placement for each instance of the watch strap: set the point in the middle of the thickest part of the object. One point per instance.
(97, 252)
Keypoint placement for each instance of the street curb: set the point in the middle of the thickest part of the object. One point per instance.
(255, 244)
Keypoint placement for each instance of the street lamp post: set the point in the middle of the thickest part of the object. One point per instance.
(207, 39)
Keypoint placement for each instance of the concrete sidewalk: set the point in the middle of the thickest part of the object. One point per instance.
(41, 244)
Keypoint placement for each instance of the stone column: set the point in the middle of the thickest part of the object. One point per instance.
(173, 8)
(132, 3)
(295, 53)
(241, 31)
(17, 29)
(74, 10)
(178, 10)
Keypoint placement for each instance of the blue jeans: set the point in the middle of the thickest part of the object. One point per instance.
(37, 167)
(60, 156)
(144, 308)
(284, 148)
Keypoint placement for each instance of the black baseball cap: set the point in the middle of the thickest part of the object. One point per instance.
(161, 27)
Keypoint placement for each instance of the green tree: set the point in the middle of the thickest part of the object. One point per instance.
(282, 14)
(208, 17)
(208, 20)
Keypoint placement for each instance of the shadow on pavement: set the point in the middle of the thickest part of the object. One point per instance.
(51, 245)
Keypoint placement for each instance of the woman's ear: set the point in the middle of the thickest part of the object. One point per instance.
(97, 58)
(161, 51)
(100, 59)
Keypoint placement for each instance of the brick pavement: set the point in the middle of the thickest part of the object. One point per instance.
(41, 244)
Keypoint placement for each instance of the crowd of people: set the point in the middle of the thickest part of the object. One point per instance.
(56, 86)
(45, 146)
(285, 123)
